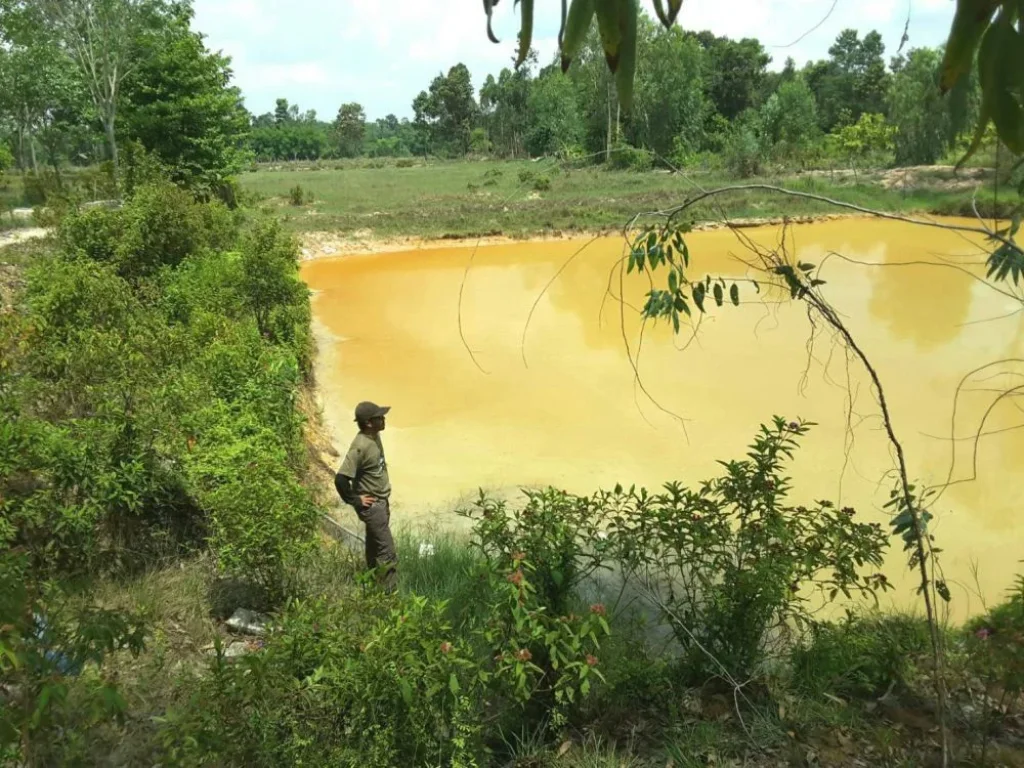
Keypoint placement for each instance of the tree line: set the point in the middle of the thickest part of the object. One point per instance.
(78, 80)
(696, 94)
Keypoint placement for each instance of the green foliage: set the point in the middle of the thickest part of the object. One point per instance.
(554, 120)
(921, 117)
(378, 685)
(445, 113)
(625, 157)
(992, 30)
(6, 158)
(349, 129)
(149, 394)
(554, 531)
(735, 561)
(996, 643)
(157, 227)
(379, 680)
(868, 141)
(45, 643)
(789, 121)
(270, 282)
(742, 152)
(861, 657)
(179, 105)
(297, 196)
(852, 81)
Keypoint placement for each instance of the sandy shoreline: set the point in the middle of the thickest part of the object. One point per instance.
(326, 245)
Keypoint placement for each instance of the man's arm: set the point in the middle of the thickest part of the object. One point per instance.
(343, 484)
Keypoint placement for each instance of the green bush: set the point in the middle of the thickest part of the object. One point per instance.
(360, 684)
(45, 646)
(404, 162)
(860, 657)
(541, 184)
(996, 644)
(742, 152)
(297, 196)
(727, 563)
(158, 226)
(141, 414)
(626, 157)
(270, 281)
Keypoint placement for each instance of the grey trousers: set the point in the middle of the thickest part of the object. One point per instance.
(380, 545)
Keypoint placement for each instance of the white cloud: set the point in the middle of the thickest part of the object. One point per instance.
(320, 53)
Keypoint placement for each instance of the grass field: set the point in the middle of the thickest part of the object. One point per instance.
(518, 199)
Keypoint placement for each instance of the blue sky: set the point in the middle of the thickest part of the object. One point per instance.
(321, 53)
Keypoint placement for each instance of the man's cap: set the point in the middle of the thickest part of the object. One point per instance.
(367, 410)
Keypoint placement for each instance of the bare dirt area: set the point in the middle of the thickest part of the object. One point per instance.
(13, 236)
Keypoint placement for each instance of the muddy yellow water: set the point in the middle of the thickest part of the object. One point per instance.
(498, 403)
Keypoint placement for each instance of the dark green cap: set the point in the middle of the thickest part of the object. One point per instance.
(367, 410)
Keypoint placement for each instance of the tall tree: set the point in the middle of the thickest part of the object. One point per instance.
(669, 104)
(179, 104)
(853, 81)
(553, 119)
(917, 109)
(789, 121)
(448, 110)
(282, 112)
(350, 129)
(40, 94)
(100, 36)
(736, 70)
(504, 104)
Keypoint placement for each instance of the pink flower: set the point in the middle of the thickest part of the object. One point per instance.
(524, 654)
(516, 577)
(446, 647)
(983, 633)
(591, 660)
(598, 609)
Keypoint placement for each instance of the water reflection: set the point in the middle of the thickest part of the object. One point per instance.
(574, 415)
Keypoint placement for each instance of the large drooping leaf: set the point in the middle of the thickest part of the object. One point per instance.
(969, 24)
(577, 24)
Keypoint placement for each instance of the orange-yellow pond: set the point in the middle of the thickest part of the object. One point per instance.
(557, 401)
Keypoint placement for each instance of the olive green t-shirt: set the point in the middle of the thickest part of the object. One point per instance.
(365, 464)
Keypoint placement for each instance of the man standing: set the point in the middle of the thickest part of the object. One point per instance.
(363, 483)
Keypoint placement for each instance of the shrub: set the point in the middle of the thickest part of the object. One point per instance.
(159, 226)
(297, 196)
(353, 684)
(270, 281)
(405, 162)
(44, 646)
(743, 156)
(542, 184)
(625, 157)
(557, 533)
(860, 657)
(727, 563)
(996, 643)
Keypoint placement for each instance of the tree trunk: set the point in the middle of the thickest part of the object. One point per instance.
(108, 126)
(32, 152)
(608, 139)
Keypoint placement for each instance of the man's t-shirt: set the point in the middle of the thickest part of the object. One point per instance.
(365, 464)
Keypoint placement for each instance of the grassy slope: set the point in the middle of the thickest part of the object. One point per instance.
(487, 197)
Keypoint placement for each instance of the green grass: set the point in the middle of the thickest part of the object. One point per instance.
(475, 198)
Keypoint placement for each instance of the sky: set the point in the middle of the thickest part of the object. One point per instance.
(320, 54)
